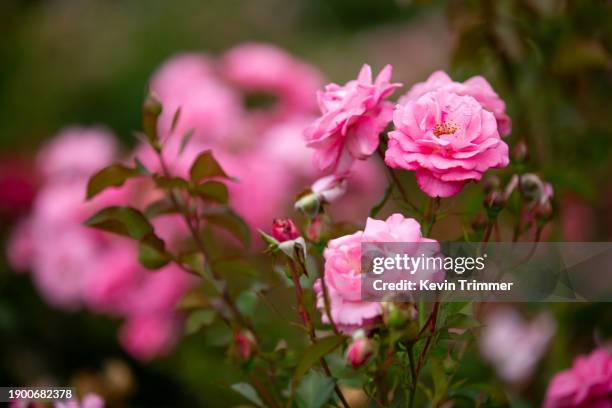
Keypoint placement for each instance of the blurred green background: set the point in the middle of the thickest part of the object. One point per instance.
(88, 62)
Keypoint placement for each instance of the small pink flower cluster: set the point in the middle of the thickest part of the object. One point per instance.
(74, 266)
(445, 131)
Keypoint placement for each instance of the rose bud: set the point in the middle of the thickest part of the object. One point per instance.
(284, 229)
(480, 222)
(490, 183)
(494, 202)
(245, 345)
(360, 350)
(308, 204)
(396, 315)
(544, 212)
(531, 187)
(520, 152)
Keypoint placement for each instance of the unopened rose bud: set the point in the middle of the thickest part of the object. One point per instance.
(490, 183)
(309, 204)
(284, 229)
(397, 315)
(531, 187)
(480, 222)
(543, 212)
(520, 152)
(494, 202)
(245, 345)
(359, 351)
(328, 189)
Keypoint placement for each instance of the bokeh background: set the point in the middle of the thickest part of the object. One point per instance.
(88, 62)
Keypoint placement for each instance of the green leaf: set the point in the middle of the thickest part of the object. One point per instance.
(205, 166)
(198, 319)
(247, 302)
(231, 222)
(152, 252)
(163, 206)
(248, 392)
(314, 390)
(175, 118)
(125, 221)
(151, 109)
(112, 176)
(439, 377)
(185, 140)
(314, 353)
(462, 321)
(141, 168)
(212, 191)
(169, 183)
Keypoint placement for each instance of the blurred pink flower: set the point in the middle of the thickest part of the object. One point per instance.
(267, 69)
(588, 384)
(63, 264)
(77, 152)
(447, 139)
(366, 183)
(513, 345)
(343, 270)
(207, 106)
(476, 87)
(146, 336)
(74, 266)
(88, 401)
(353, 115)
(578, 218)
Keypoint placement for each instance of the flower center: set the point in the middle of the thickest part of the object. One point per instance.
(445, 128)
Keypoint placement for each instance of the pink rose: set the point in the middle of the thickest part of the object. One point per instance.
(447, 139)
(77, 152)
(513, 345)
(149, 335)
(352, 118)
(343, 271)
(208, 107)
(267, 69)
(588, 384)
(476, 87)
(88, 401)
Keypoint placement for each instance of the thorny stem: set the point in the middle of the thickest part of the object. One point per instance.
(264, 392)
(327, 305)
(432, 332)
(429, 217)
(309, 326)
(326, 302)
